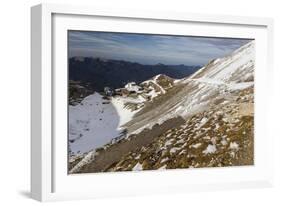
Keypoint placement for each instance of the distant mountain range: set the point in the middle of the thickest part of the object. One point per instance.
(99, 73)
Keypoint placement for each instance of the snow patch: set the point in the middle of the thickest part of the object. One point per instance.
(137, 167)
(164, 160)
(202, 122)
(174, 150)
(167, 143)
(132, 87)
(216, 61)
(233, 146)
(210, 149)
(138, 157)
(196, 145)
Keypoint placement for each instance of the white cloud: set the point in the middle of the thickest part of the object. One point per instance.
(151, 49)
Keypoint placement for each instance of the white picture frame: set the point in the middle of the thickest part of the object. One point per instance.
(48, 174)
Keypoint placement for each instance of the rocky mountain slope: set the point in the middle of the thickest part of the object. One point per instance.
(204, 120)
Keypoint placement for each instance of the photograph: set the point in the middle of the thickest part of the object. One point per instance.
(139, 101)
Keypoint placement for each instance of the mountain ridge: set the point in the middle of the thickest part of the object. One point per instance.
(117, 73)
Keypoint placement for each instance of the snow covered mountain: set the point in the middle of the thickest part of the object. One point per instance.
(213, 83)
(199, 121)
(98, 120)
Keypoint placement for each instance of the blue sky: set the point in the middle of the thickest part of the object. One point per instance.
(150, 49)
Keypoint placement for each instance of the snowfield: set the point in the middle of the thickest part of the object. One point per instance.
(125, 115)
(95, 122)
